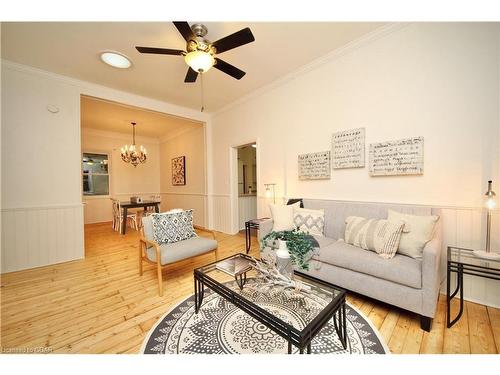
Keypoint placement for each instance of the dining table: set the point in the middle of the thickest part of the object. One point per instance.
(144, 204)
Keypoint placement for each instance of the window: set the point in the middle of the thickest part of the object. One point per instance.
(95, 175)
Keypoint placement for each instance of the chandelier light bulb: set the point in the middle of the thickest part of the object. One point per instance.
(130, 154)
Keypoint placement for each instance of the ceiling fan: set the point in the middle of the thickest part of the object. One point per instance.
(200, 53)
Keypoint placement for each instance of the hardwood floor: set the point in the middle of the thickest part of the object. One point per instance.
(102, 305)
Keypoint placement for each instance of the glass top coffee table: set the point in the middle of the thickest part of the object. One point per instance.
(317, 301)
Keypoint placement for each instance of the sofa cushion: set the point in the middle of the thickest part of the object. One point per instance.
(309, 221)
(282, 217)
(401, 269)
(417, 232)
(379, 235)
(173, 252)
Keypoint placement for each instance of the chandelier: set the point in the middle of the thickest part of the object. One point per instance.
(130, 154)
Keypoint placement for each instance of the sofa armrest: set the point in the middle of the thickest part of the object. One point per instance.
(432, 273)
(265, 227)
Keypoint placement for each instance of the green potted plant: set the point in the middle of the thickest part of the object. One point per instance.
(299, 244)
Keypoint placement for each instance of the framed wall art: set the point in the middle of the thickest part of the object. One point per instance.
(396, 158)
(179, 171)
(348, 149)
(314, 166)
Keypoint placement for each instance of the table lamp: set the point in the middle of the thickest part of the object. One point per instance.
(490, 205)
(270, 194)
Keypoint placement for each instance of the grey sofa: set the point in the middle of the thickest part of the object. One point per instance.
(411, 284)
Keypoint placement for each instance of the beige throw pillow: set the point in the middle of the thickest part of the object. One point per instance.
(381, 236)
(417, 232)
(282, 217)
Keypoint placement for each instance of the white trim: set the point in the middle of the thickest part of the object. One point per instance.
(442, 291)
(108, 93)
(176, 134)
(444, 207)
(333, 55)
(115, 135)
(48, 207)
(190, 194)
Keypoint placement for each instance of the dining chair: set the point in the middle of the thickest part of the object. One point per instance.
(118, 217)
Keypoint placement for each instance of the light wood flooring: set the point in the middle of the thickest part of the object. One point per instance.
(102, 305)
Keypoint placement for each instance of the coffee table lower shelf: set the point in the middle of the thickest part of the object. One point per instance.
(300, 338)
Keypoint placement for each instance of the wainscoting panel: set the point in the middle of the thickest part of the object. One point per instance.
(221, 213)
(197, 202)
(39, 236)
(247, 209)
(100, 210)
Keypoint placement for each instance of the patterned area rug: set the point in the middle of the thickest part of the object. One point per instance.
(220, 327)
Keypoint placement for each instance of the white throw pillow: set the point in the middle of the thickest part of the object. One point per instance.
(379, 235)
(418, 230)
(282, 217)
(309, 221)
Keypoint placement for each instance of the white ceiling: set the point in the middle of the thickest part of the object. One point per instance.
(115, 117)
(72, 49)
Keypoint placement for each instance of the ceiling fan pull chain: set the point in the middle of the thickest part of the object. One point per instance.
(202, 99)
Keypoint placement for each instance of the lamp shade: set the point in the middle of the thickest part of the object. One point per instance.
(490, 197)
(268, 192)
(199, 61)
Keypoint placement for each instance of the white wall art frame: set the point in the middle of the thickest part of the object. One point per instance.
(314, 166)
(348, 149)
(396, 158)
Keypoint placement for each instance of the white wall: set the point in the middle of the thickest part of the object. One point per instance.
(125, 180)
(193, 195)
(41, 204)
(42, 214)
(436, 80)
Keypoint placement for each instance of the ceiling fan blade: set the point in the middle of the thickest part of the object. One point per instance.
(237, 39)
(159, 51)
(191, 76)
(185, 30)
(229, 69)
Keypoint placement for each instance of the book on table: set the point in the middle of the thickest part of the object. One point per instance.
(234, 266)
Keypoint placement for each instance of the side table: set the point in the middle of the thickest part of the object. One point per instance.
(251, 224)
(462, 262)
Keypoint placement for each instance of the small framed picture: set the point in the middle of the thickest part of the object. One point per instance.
(179, 171)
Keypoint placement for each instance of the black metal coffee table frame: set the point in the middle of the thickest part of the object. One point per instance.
(300, 338)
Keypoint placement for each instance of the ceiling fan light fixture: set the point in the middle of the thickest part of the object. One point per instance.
(116, 60)
(199, 61)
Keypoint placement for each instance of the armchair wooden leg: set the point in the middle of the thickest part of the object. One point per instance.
(160, 281)
(216, 252)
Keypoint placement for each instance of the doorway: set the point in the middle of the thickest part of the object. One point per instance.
(246, 184)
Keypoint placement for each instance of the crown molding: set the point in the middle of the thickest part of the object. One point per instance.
(108, 93)
(364, 40)
(115, 135)
(176, 134)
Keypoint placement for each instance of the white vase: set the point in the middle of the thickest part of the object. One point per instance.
(283, 260)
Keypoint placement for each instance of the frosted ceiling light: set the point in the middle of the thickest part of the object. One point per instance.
(116, 60)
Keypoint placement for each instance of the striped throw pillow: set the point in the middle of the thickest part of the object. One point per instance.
(379, 235)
